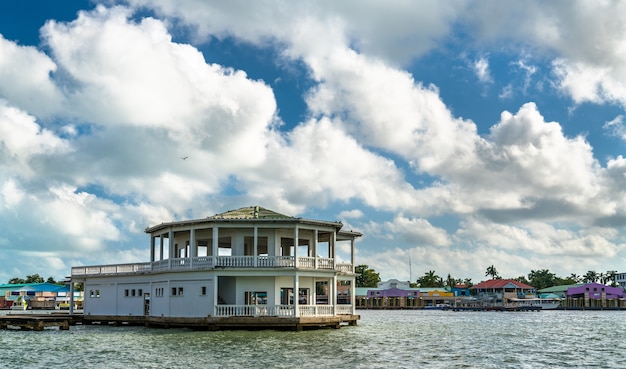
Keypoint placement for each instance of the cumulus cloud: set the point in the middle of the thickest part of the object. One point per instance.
(25, 79)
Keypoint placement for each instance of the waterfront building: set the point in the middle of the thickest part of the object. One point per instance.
(497, 291)
(620, 279)
(587, 296)
(245, 268)
(395, 294)
(38, 296)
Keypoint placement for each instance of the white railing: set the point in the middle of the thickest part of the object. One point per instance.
(325, 263)
(111, 269)
(280, 310)
(343, 309)
(343, 267)
(210, 262)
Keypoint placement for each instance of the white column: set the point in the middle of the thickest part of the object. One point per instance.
(170, 237)
(215, 296)
(296, 295)
(71, 298)
(215, 243)
(161, 251)
(334, 296)
(256, 245)
(295, 246)
(315, 246)
(352, 242)
(152, 246)
(171, 254)
(333, 251)
(352, 296)
(193, 251)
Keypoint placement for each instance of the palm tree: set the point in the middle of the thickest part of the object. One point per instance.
(574, 277)
(610, 275)
(491, 271)
(590, 277)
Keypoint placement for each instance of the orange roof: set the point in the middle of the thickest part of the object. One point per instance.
(502, 283)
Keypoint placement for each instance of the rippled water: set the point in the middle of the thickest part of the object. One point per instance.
(383, 339)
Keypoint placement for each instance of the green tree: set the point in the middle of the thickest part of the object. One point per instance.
(541, 279)
(366, 277)
(522, 279)
(430, 279)
(35, 278)
(468, 282)
(491, 271)
(16, 280)
(590, 277)
(610, 278)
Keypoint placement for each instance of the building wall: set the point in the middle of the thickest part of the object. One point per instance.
(159, 299)
(100, 298)
(188, 298)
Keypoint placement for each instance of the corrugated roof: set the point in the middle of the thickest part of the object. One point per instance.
(562, 288)
(501, 283)
(250, 212)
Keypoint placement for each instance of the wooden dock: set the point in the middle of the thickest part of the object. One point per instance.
(37, 322)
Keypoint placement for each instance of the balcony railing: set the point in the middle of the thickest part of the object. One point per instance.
(212, 262)
(281, 310)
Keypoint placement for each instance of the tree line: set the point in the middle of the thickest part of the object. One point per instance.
(539, 279)
(34, 278)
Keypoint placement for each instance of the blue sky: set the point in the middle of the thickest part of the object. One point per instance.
(459, 134)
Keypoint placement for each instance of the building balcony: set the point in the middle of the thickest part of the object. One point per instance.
(215, 262)
(281, 310)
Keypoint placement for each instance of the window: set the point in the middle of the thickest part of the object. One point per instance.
(203, 290)
(126, 294)
(140, 292)
(177, 291)
(256, 298)
(133, 292)
(159, 292)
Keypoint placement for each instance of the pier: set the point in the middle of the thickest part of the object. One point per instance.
(37, 322)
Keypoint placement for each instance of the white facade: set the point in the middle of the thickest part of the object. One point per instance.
(239, 263)
(620, 279)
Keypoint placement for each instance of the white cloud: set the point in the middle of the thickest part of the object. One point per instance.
(616, 127)
(25, 79)
(481, 68)
(417, 231)
(506, 92)
(351, 214)
(22, 140)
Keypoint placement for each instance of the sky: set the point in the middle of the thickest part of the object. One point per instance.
(454, 135)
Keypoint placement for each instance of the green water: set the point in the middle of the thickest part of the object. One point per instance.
(383, 339)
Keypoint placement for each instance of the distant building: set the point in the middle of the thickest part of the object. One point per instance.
(620, 279)
(395, 294)
(497, 291)
(38, 296)
(250, 267)
(587, 295)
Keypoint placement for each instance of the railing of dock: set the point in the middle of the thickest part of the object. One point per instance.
(211, 262)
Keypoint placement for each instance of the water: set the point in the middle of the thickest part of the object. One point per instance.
(383, 339)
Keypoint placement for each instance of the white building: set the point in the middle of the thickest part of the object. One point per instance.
(620, 279)
(235, 269)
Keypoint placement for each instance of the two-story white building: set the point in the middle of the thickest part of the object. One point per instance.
(245, 268)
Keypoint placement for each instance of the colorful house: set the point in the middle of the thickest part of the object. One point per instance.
(37, 296)
(245, 268)
(497, 291)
